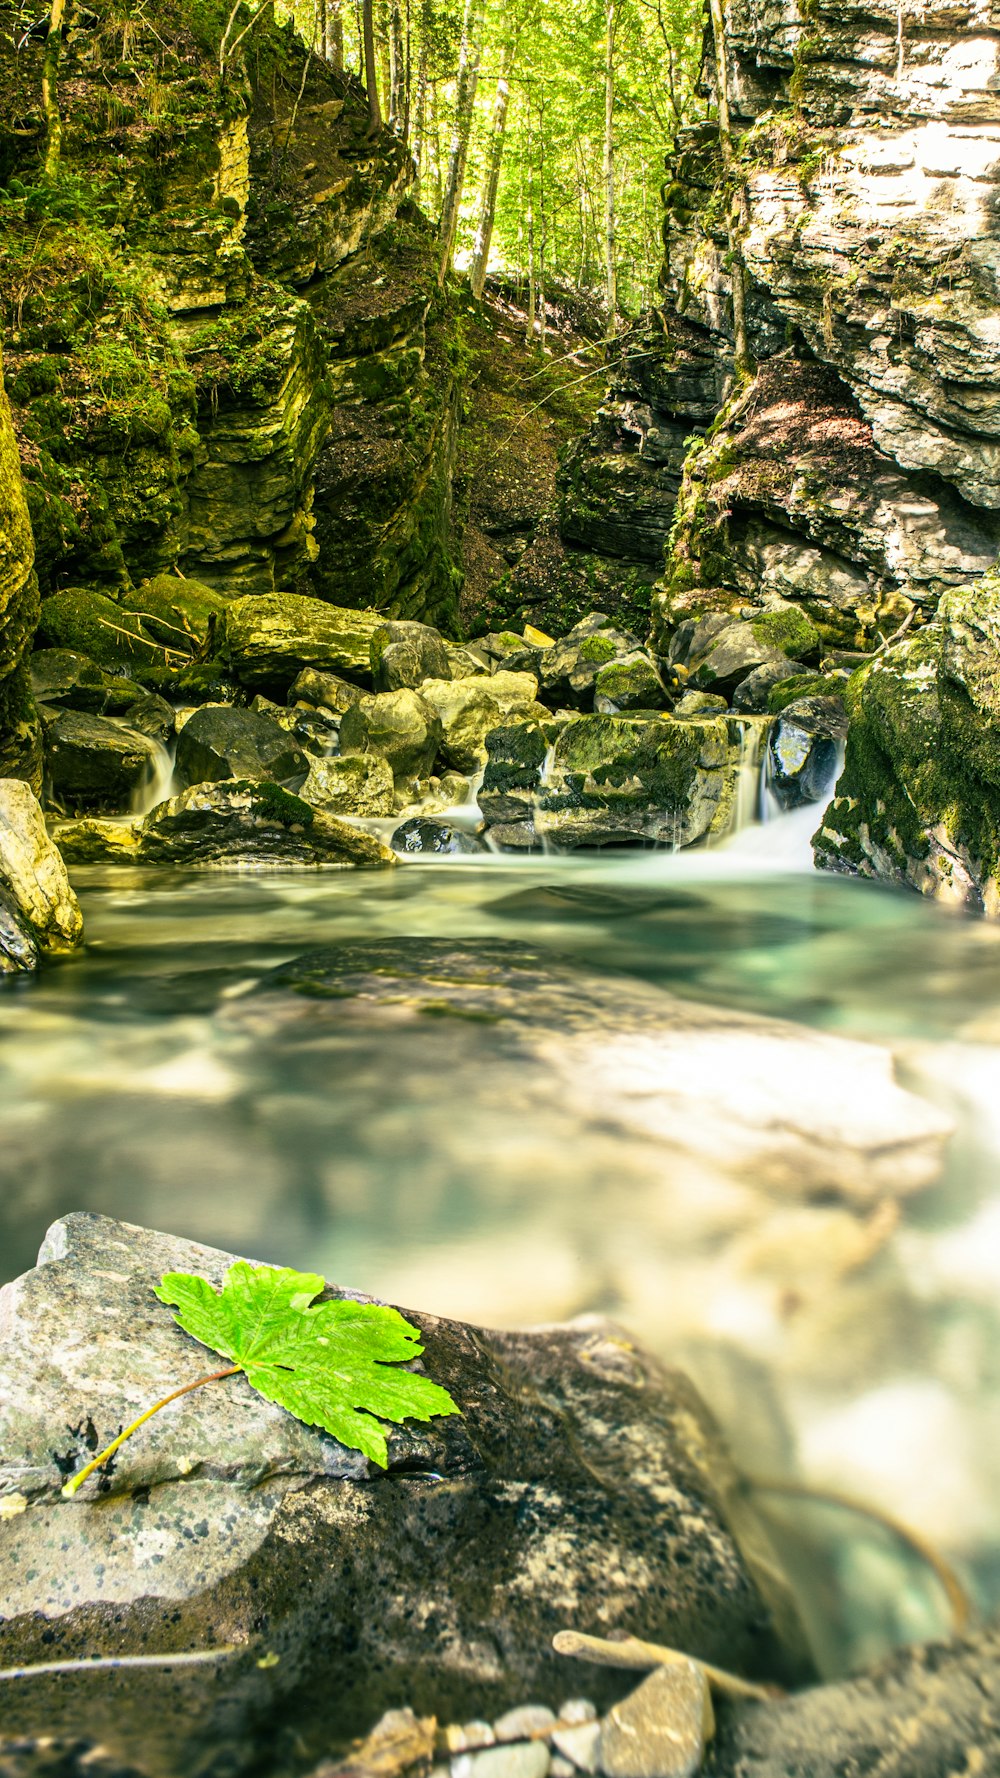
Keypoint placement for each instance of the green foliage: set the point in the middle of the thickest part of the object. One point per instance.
(331, 1364)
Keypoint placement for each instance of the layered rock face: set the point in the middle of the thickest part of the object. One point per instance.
(186, 345)
(851, 486)
(19, 750)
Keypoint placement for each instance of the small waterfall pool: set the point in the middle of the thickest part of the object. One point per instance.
(513, 1166)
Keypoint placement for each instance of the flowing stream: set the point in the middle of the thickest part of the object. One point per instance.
(516, 1166)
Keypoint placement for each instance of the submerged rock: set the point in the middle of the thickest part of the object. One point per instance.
(269, 640)
(418, 835)
(38, 909)
(581, 1480)
(219, 742)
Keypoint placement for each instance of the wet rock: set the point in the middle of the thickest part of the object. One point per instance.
(804, 750)
(719, 657)
(327, 690)
(925, 1711)
(577, 1473)
(515, 755)
(660, 1730)
(469, 709)
(96, 762)
(38, 909)
(753, 692)
(616, 780)
(631, 683)
(153, 716)
(421, 835)
(269, 640)
(254, 822)
(577, 1710)
(405, 654)
(219, 742)
(466, 662)
(91, 839)
(699, 703)
(399, 726)
(350, 784)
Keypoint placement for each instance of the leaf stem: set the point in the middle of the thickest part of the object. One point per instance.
(99, 1461)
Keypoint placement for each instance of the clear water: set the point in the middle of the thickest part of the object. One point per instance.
(446, 1164)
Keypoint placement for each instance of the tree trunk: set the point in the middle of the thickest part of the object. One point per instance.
(740, 342)
(468, 79)
(50, 88)
(610, 226)
(542, 241)
(529, 330)
(494, 160)
(334, 47)
(371, 79)
(397, 65)
(420, 131)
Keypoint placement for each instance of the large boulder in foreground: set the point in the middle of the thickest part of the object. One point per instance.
(38, 909)
(238, 822)
(581, 1483)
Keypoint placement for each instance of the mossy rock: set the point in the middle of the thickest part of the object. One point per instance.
(804, 685)
(175, 610)
(790, 632)
(92, 624)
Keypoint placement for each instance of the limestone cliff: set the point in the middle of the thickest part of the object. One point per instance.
(849, 490)
(177, 350)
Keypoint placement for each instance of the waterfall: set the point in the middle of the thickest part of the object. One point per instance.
(782, 836)
(157, 782)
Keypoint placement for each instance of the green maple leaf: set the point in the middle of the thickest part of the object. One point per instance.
(331, 1364)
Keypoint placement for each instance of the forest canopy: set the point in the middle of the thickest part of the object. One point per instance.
(538, 129)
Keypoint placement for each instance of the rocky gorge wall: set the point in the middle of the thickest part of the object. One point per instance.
(19, 754)
(208, 327)
(842, 501)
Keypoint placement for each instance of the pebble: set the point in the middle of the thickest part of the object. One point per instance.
(519, 1759)
(469, 1737)
(561, 1768)
(579, 1742)
(577, 1710)
(527, 1719)
(659, 1730)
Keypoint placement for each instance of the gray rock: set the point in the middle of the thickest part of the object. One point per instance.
(227, 1520)
(568, 671)
(153, 716)
(397, 725)
(631, 683)
(71, 681)
(753, 692)
(660, 1730)
(699, 703)
(219, 742)
(523, 1759)
(524, 1721)
(96, 762)
(924, 1712)
(579, 1741)
(41, 912)
(405, 654)
(616, 780)
(420, 835)
(470, 709)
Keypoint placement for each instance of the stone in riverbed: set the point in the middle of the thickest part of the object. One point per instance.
(399, 726)
(522, 1759)
(577, 1474)
(804, 748)
(219, 742)
(327, 691)
(630, 683)
(405, 654)
(419, 835)
(660, 1729)
(177, 611)
(62, 678)
(523, 1721)
(269, 640)
(243, 821)
(96, 762)
(350, 784)
(90, 623)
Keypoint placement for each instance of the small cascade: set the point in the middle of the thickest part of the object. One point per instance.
(783, 836)
(158, 782)
(750, 774)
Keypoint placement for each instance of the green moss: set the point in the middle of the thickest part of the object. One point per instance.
(91, 624)
(597, 649)
(805, 685)
(789, 631)
(271, 803)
